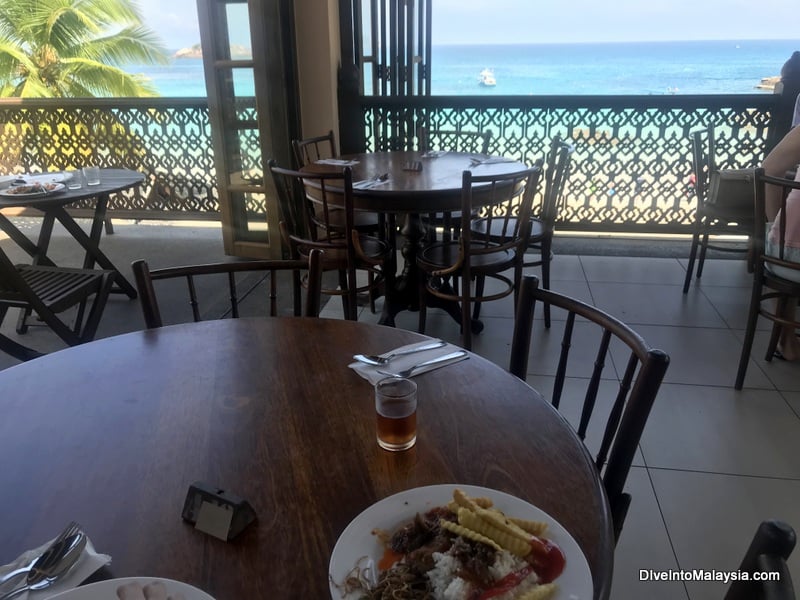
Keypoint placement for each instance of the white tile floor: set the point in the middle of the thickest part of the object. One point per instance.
(714, 462)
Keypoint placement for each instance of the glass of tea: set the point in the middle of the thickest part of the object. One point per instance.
(396, 410)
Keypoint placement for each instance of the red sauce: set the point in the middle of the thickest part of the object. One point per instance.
(388, 559)
(547, 559)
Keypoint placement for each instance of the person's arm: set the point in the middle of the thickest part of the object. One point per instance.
(784, 157)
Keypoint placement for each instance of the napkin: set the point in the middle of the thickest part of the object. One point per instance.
(370, 373)
(336, 162)
(492, 160)
(87, 564)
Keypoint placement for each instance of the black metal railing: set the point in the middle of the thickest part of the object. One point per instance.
(631, 168)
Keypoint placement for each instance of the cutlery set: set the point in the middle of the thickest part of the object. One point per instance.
(57, 559)
(378, 361)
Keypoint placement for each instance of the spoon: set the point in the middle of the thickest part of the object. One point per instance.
(41, 578)
(47, 556)
(375, 360)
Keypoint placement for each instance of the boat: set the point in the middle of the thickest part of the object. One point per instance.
(486, 78)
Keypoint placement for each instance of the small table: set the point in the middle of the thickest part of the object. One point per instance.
(435, 188)
(54, 207)
(112, 433)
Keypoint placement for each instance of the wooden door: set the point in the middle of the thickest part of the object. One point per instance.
(248, 61)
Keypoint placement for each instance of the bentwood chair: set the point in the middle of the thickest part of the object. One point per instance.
(454, 140)
(768, 552)
(724, 204)
(49, 291)
(317, 212)
(776, 268)
(543, 221)
(237, 290)
(310, 150)
(501, 202)
(582, 387)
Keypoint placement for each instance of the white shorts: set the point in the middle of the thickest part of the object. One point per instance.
(789, 253)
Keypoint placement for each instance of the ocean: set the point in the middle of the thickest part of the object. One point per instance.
(635, 68)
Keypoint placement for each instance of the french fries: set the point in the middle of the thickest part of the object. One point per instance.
(479, 521)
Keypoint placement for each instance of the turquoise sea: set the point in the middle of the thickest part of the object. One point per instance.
(635, 68)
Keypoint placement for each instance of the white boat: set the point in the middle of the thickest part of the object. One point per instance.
(486, 78)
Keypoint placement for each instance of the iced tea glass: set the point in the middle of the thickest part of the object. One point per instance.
(396, 410)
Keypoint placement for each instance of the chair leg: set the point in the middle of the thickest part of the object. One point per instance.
(423, 306)
(692, 257)
(780, 309)
(702, 258)
(466, 321)
(480, 282)
(98, 305)
(345, 294)
(749, 335)
(546, 249)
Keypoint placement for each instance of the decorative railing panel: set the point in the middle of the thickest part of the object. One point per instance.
(167, 139)
(631, 169)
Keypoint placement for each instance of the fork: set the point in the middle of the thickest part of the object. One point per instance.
(46, 557)
(427, 363)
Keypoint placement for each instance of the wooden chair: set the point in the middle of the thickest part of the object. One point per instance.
(310, 150)
(639, 380)
(149, 300)
(721, 209)
(317, 212)
(543, 222)
(502, 202)
(48, 291)
(776, 271)
(455, 140)
(768, 552)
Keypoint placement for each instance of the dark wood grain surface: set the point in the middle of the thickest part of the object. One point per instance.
(112, 433)
(436, 187)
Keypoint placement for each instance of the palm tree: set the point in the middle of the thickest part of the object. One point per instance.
(74, 48)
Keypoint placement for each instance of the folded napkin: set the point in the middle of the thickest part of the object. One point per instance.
(87, 564)
(406, 361)
(336, 162)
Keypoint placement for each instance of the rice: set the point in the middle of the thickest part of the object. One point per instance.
(447, 585)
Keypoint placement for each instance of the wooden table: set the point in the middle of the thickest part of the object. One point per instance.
(54, 208)
(113, 432)
(435, 188)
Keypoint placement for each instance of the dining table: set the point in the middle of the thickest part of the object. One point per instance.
(407, 185)
(54, 206)
(112, 434)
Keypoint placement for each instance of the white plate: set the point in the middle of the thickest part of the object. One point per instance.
(107, 590)
(57, 187)
(357, 540)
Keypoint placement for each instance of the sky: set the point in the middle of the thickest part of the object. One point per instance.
(546, 21)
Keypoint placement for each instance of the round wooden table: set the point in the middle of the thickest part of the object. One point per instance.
(113, 432)
(436, 188)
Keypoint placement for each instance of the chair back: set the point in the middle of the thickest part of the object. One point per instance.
(310, 150)
(559, 161)
(768, 552)
(639, 375)
(502, 205)
(237, 289)
(454, 140)
(702, 162)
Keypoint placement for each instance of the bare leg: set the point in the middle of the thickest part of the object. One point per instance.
(788, 343)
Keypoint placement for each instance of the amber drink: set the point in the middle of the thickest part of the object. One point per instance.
(396, 410)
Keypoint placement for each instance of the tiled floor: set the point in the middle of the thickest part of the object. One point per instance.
(713, 463)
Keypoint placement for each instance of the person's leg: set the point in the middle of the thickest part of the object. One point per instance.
(788, 343)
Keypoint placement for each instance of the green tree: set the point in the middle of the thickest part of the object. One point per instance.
(74, 48)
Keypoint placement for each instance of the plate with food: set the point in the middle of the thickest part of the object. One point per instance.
(32, 190)
(134, 588)
(458, 542)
